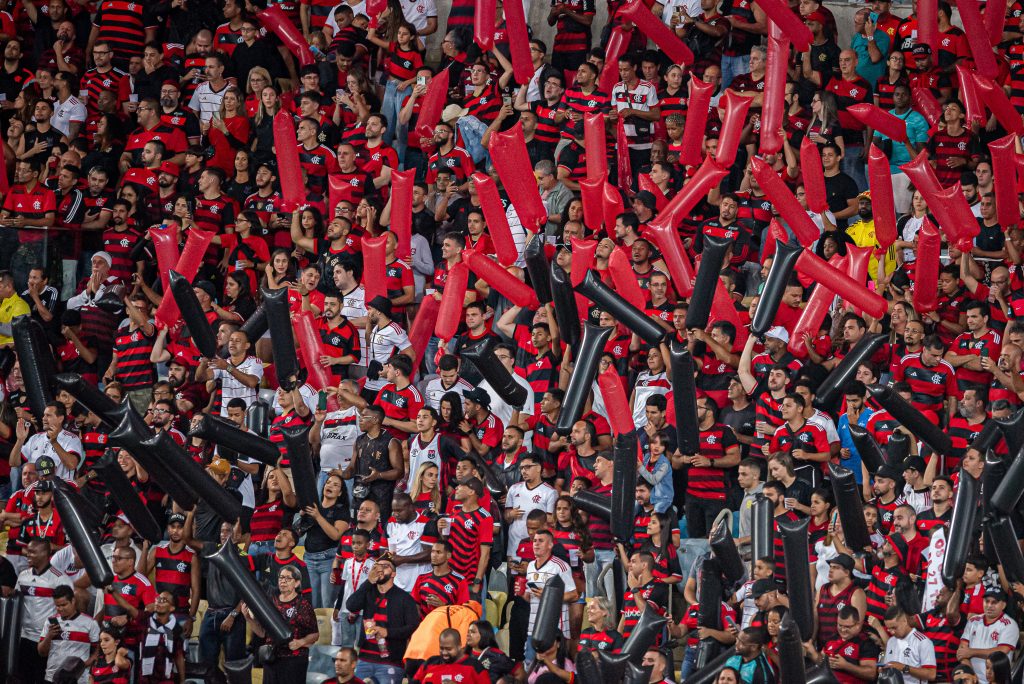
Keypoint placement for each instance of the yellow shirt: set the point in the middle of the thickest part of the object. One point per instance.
(862, 234)
(11, 308)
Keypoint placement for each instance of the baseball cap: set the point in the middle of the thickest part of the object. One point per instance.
(762, 587)
(779, 333)
(176, 519)
(105, 256)
(170, 168)
(478, 396)
(46, 466)
(220, 466)
(815, 16)
(996, 593)
(921, 49)
(889, 472)
(843, 560)
(914, 463)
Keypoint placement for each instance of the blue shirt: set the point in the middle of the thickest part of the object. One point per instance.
(757, 671)
(867, 69)
(846, 442)
(917, 134)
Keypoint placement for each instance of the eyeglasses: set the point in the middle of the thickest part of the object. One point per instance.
(247, 29)
(528, 465)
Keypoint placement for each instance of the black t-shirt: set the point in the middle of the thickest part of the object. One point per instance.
(801, 491)
(316, 539)
(741, 422)
(839, 190)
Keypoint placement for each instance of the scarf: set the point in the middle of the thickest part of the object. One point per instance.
(158, 647)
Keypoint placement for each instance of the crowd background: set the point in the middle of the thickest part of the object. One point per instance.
(633, 342)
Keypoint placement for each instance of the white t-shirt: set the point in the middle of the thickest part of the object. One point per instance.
(353, 574)
(38, 445)
(920, 500)
(337, 438)
(981, 634)
(67, 112)
(418, 11)
(357, 9)
(206, 101)
(435, 389)
(407, 540)
(384, 343)
(915, 650)
(676, 10)
(420, 453)
(538, 577)
(231, 388)
(540, 498)
(37, 598)
(647, 385)
(77, 638)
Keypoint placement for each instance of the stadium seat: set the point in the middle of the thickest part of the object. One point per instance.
(324, 617)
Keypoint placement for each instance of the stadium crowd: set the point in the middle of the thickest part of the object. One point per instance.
(684, 350)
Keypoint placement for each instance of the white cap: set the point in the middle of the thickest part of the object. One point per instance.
(779, 333)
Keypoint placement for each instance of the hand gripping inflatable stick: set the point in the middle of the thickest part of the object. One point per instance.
(778, 278)
(549, 612)
(851, 509)
(282, 341)
(624, 455)
(912, 419)
(127, 498)
(226, 560)
(798, 576)
(835, 382)
(961, 529)
(870, 452)
(481, 354)
(192, 313)
(684, 398)
(609, 300)
(707, 280)
(165, 449)
(226, 434)
(89, 396)
(129, 435)
(72, 507)
(583, 375)
(538, 269)
(563, 297)
(497, 219)
(34, 366)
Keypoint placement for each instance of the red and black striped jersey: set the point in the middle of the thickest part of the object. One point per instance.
(962, 434)
(885, 512)
(988, 344)
(881, 425)
(829, 604)
(319, 12)
(452, 589)
(456, 160)
(267, 520)
(542, 374)
(606, 640)
(174, 574)
(400, 404)
(289, 419)
(485, 105)
(854, 652)
(711, 482)
(884, 89)
(600, 529)
(138, 592)
(104, 672)
(769, 410)
(656, 596)
(572, 35)
(849, 93)
(226, 39)
(357, 184)
(133, 349)
(576, 101)
(215, 214)
(95, 82)
(929, 385)
(318, 163)
(777, 547)
(952, 47)
(123, 24)
(397, 276)
(402, 64)
(946, 639)
(470, 531)
(882, 581)
(547, 129)
(942, 147)
(928, 521)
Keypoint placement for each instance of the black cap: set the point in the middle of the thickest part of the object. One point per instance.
(996, 593)
(380, 303)
(914, 463)
(921, 49)
(176, 519)
(45, 466)
(762, 587)
(646, 197)
(843, 560)
(207, 287)
(889, 472)
(478, 396)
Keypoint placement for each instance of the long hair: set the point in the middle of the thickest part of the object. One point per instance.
(455, 400)
(487, 639)
(417, 486)
(576, 522)
(239, 108)
(261, 111)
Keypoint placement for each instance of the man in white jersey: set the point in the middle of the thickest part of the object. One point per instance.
(906, 650)
(384, 338)
(987, 633)
(336, 432)
(531, 494)
(429, 446)
(538, 571)
(66, 633)
(53, 441)
(447, 380)
(240, 373)
(410, 536)
(243, 468)
(37, 584)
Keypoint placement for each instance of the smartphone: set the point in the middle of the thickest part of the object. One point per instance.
(321, 400)
(421, 80)
(506, 100)
(730, 622)
(874, 17)
(52, 621)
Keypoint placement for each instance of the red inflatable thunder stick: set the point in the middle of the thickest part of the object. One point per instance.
(432, 105)
(736, 107)
(948, 204)
(995, 19)
(788, 22)
(583, 253)
(926, 103)
(497, 220)
(666, 239)
(973, 107)
(401, 210)
(423, 326)
(274, 19)
(1004, 168)
(880, 120)
(776, 234)
(449, 314)
(645, 183)
(785, 202)
(165, 244)
(611, 205)
(994, 97)
(883, 204)
(375, 266)
(774, 101)
(858, 260)
(510, 158)
(620, 415)
(928, 22)
(654, 28)
(188, 265)
(624, 278)
(818, 304)
(696, 189)
(484, 16)
(618, 43)
(926, 274)
(696, 121)
(292, 187)
(814, 176)
(978, 39)
(594, 141)
(592, 196)
(518, 42)
(814, 267)
(624, 166)
(310, 352)
(491, 272)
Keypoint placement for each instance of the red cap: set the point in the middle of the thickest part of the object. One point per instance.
(171, 168)
(815, 16)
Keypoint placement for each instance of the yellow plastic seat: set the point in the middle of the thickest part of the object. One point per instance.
(300, 551)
